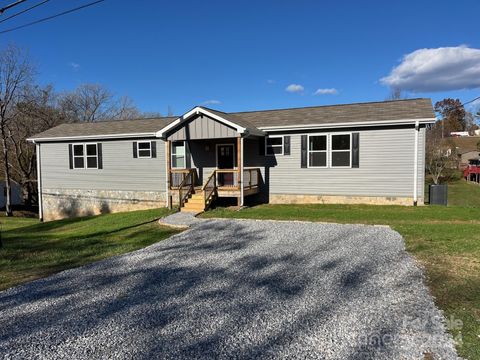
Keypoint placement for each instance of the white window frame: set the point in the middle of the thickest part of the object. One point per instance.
(327, 158)
(84, 156)
(149, 149)
(272, 146)
(184, 155)
(332, 151)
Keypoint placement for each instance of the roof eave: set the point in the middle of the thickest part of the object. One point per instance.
(91, 137)
(348, 124)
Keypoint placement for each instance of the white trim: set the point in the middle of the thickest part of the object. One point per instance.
(39, 183)
(319, 151)
(351, 124)
(195, 111)
(349, 150)
(233, 155)
(184, 155)
(86, 137)
(84, 156)
(149, 149)
(273, 137)
(415, 165)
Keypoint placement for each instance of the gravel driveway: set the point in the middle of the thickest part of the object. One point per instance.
(235, 289)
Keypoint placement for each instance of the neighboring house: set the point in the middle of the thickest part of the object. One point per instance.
(370, 153)
(16, 193)
(467, 148)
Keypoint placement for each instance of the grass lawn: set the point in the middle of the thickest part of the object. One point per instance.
(32, 250)
(446, 240)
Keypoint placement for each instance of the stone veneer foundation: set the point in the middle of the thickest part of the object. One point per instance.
(331, 199)
(68, 203)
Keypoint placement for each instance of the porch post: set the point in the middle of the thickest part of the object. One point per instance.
(169, 174)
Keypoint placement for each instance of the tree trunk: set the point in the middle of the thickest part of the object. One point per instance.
(8, 189)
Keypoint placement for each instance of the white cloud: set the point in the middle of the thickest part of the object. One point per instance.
(440, 69)
(74, 66)
(212, 102)
(327, 91)
(294, 88)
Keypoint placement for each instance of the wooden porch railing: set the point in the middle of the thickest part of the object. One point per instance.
(209, 189)
(251, 178)
(227, 178)
(177, 176)
(186, 186)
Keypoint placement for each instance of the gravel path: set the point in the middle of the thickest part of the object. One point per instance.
(234, 289)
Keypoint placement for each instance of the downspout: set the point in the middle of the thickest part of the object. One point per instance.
(167, 175)
(415, 167)
(39, 183)
(243, 171)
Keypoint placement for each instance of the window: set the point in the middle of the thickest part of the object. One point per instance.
(78, 159)
(85, 156)
(274, 145)
(178, 154)
(341, 150)
(317, 151)
(144, 149)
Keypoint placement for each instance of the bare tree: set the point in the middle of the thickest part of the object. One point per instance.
(36, 113)
(16, 73)
(396, 94)
(94, 102)
(440, 154)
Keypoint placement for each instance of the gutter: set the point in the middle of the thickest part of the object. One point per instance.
(348, 124)
(93, 137)
(39, 182)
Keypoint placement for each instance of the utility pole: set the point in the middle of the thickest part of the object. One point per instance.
(18, 2)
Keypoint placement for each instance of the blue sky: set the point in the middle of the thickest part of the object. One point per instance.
(243, 55)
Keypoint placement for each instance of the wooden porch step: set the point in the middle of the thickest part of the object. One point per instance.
(193, 207)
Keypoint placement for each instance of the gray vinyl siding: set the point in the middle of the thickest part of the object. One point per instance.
(203, 127)
(386, 168)
(120, 170)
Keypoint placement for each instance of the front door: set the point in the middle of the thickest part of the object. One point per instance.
(225, 160)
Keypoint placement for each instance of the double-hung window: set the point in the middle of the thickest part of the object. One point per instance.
(178, 154)
(317, 151)
(341, 150)
(144, 149)
(85, 156)
(274, 145)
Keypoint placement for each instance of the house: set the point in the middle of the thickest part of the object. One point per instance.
(16, 193)
(371, 153)
(466, 149)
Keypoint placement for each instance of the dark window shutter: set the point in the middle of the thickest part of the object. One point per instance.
(188, 158)
(261, 146)
(304, 143)
(70, 155)
(286, 145)
(154, 149)
(100, 156)
(135, 149)
(355, 150)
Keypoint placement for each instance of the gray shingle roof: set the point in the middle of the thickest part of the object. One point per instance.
(114, 127)
(410, 109)
(345, 113)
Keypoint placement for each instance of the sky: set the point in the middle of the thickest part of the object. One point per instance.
(254, 55)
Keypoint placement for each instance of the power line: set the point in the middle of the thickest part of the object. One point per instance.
(24, 11)
(468, 102)
(51, 17)
(2, 10)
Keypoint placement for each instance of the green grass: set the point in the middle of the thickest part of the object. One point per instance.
(32, 250)
(446, 240)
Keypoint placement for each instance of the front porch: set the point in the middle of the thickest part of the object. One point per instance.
(211, 155)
